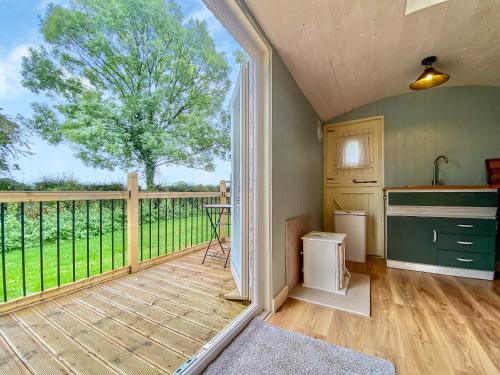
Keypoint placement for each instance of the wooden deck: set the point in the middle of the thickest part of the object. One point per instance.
(149, 322)
(423, 323)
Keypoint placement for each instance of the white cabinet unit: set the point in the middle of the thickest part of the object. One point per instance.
(324, 261)
(353, 224)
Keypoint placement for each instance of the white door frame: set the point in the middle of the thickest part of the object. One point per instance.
(236, 18)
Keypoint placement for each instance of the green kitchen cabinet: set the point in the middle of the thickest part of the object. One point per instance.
(466, 243)
(468, 199)
(445, 199)
(412, 239)
(467, 226)
(469, 260)
(413, 199)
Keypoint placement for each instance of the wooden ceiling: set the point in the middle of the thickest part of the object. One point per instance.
(347, 53)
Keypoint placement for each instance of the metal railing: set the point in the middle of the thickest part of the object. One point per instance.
(53, 242)
(170, 222)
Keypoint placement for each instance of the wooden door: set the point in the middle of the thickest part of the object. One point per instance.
(356, 189)
(371, 175)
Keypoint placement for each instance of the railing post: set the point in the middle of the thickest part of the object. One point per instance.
(132, 219)
(223, 200)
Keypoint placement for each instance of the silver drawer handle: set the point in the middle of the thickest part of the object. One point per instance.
(465, 226)
(465, 243)
(465, 260)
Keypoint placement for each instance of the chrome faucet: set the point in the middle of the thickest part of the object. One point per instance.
(435, 179)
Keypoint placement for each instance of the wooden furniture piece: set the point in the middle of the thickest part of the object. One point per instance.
(295, 228)
(493, 171)
(450, 232)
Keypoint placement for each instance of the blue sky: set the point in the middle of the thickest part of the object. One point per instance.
(19, 29)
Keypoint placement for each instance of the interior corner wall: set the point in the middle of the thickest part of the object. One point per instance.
(460, 122)
(297, 163)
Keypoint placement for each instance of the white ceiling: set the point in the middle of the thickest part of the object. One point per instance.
(346, 53)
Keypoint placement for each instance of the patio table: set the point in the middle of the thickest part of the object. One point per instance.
(215, 221)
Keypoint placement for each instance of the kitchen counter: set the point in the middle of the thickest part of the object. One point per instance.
(450, 230)
(444, 188)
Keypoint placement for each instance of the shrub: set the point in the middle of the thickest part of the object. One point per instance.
(9, 184)
(186, 187)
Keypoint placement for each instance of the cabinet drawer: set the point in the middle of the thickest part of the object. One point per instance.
(466, 243)
(459, 259)
(484, 227)
(413, 199)
(468, 199)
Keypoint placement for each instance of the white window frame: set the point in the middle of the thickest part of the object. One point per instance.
(235, 17)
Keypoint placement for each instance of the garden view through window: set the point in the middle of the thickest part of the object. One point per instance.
(89, 91)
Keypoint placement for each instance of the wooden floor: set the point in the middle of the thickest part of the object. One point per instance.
(423, 323)
(146, 323)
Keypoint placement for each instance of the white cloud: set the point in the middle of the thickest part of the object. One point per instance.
(10, 71)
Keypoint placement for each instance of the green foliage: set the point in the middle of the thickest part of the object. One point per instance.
(9, 184)
(13, 143)
(65, 183)
(12, 218)
(241, 57)
(132, 84)
(186, 187)
(12, 214)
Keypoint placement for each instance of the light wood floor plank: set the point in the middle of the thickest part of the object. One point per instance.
(423, 323)
(173, 287)
(29, 350)
(181, 299)
(108, 350)
(115, 296)
(149, 322)
(64, 348)
(190, 280)
(137, 343)
(487, 334)
(153, 330)
(9, 361)
(149, 296)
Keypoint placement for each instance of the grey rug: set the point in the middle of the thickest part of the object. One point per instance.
(264, 349)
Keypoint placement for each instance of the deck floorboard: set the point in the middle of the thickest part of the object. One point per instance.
(149, 322)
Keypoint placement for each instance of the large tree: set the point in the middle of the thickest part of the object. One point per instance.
(13, 143)
(131, 83)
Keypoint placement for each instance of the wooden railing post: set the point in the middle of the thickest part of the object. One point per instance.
(223, 200)
(133, 219)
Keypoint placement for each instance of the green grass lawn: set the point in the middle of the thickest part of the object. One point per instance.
(167, 236)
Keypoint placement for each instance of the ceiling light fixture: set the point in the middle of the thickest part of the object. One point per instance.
(430, 77)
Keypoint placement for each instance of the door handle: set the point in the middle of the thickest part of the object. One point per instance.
(466, 260)
(465, 226)
(364, 182)
(435, 235)
(468, 243)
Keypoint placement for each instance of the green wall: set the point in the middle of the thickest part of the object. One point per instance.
(462, 123)
(297, 163)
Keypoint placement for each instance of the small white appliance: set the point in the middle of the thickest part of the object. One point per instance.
(352, 223)
(324, 263)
